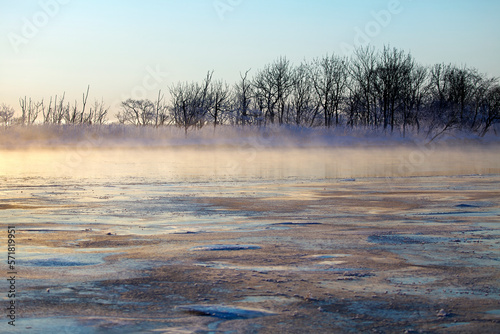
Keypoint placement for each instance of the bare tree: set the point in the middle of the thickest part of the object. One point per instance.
(362, 70)
(73, 115)
(181, 110)
(30, 110)
(243, 99)
(191, 103)
(414, 93)
(47, 114)
(55, 113)
(302, 99)
(219, 105)
(85, 118)
(330, 78)
(161, 110)
(492, 114)
(97, 113)
(6, 114)
(354, 107)
(272, 87)
(283, 74)
(393, 75)
(482, 86)
(137, 112)
(265, 94)
(457, 97)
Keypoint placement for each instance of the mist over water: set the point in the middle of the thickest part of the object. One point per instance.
(235, 154)
(189, 164)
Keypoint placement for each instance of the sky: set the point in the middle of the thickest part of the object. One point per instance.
(133, 48)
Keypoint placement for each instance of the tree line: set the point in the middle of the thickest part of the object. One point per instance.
(56, 111)
(384, 89)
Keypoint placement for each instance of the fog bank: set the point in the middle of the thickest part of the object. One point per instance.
(119, 136)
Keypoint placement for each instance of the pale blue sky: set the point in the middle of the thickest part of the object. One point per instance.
(115, 45)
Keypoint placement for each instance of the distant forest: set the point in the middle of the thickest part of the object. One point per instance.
(384, 89)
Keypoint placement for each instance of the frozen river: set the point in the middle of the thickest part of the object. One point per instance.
(260, 240)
